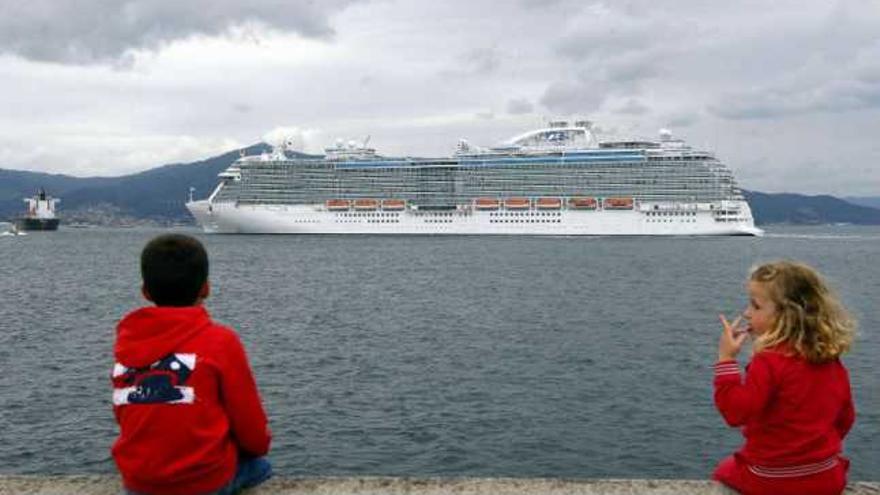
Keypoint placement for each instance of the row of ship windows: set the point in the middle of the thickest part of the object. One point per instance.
(369, 215)
(672, 213)
(287, 200)
(676, 158)
(502, 220)
(573, 184)
(531, 190)
(561, 181)
(525, 220)
(496, 220)
(270, 197)
(439, 213)
(576, 188)
(367, 220)
(481, 181)
(533, 177)
(548, 167)
(526, 214)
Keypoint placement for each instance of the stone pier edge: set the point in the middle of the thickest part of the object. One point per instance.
(109, 485)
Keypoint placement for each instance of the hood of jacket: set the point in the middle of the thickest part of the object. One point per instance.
(148, 334)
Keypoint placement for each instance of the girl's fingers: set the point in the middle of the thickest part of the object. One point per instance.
(730, 328)
(724, 322)
(736, 322)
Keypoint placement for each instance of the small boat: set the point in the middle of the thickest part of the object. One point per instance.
(517, 203)
(486, 203)
(393, 204)
(337, 204)
(366, 204)
(618, 203)
(583, 203)
(548, 203)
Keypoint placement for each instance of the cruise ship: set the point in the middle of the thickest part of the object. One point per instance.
(558, 180)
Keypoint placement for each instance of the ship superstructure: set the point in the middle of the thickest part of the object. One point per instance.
(40, 213)
(557, 180)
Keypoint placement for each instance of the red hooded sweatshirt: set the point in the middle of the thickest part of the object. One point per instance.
(791, 412)
(185, 400)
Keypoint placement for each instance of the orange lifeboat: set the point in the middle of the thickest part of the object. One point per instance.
(393, 204)
(583, 203)
(618, 203)
(337, 204)
(517, 203)
(366, 204)
(486, 204)
(549, 203)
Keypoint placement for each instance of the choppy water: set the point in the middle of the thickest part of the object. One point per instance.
(429, 356)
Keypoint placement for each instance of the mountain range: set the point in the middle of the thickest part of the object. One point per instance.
(158, 196)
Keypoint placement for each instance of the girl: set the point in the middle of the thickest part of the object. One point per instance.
(795, 405)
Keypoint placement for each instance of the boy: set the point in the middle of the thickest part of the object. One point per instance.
(188, 409)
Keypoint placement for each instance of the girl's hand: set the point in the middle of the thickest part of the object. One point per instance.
(732, 338)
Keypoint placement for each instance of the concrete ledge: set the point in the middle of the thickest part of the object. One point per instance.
(109, 485)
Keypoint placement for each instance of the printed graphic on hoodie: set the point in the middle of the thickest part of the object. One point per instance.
(163, 382)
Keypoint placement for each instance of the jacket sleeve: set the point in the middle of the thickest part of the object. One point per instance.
(739, 400)
(847, 415)
(241, 400)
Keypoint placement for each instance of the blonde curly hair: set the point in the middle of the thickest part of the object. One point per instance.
(810, 320)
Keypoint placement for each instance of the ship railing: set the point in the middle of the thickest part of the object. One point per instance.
(215, 193)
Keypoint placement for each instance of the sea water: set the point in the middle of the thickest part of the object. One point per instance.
(565, 357)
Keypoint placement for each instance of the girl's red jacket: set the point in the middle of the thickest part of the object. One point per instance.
(185, 400)
(792, 413)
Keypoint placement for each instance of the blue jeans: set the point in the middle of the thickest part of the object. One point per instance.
(251, 472)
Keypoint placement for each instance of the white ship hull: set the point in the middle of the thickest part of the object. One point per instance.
(731, 218)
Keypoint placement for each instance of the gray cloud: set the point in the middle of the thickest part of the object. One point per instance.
(630, 70)
(474, 62)
(483, 60)
(839, 95)
(634, 107)
(242, 108)
(681, 120)
(542, 4)
(589, 89)
(417, 75)
(567, 98)
(610, 33)
(94, 31)
(832, 67)
(614, 49)
(519, 106)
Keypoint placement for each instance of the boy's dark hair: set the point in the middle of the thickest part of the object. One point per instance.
(174, 268)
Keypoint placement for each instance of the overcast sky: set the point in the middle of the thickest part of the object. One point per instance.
(787, 93)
